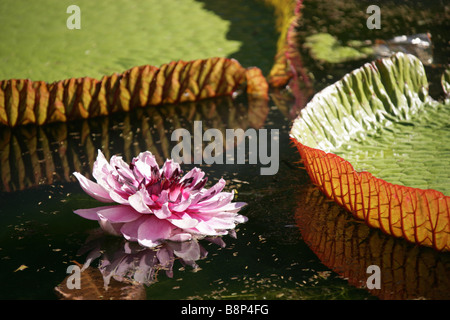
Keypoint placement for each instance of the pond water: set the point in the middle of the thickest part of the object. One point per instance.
(268, 259)
(41, 235)
(295, 245)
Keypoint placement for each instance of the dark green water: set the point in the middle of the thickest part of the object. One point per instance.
(267, 260)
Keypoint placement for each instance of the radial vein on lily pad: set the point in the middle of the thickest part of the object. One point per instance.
(158, 204)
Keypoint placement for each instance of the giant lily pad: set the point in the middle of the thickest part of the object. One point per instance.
(116, 36)
(24, 101)
(376, 143)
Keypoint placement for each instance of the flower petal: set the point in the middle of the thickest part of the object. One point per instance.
(137, 202)
(93, 189)
(130, 229)
(164, 212)
(152, 231)
(101, 167)
(219, 200)
(184, 221)
(90, 214)
(123, 169)
(119, 213)
(192, 177)
(203, 228)
(233, 207)
(181, 206)
(144, 163)
(181, 237)
(215, 189)
(219, 223)
(170, 168)
(240, 218)
(109, 227)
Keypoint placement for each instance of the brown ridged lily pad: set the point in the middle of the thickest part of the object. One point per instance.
(24, 101)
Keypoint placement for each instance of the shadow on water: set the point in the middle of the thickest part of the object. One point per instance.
(252, 24)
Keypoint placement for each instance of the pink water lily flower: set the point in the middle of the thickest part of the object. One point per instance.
(156, 204)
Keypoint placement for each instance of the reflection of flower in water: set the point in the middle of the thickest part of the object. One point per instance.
(158, 204)
(124, 260)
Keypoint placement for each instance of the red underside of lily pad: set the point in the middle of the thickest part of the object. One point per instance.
(417, 215)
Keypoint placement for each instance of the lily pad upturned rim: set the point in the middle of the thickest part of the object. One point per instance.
(420, 216)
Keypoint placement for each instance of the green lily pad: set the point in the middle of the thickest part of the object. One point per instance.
(381, 119)
(117, 35)
(376, 143)
(326, 48)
